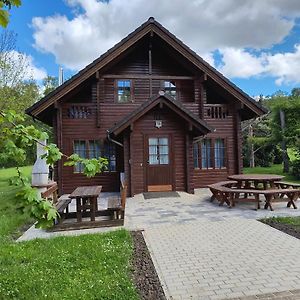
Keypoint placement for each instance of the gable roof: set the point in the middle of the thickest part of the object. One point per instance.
(150, 26)
(200, 125)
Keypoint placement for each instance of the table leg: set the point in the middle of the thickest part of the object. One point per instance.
(268, 202)
(93, 208)
(292, 198)
(78, 209)
(258, 201)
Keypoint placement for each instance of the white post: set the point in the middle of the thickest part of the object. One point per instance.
(40, 170)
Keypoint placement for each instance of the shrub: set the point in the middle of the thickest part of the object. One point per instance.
(296, 168)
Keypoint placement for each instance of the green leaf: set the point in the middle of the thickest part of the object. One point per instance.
(52, 214)
(4, 18)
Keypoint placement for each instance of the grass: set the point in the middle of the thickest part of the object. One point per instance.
(274, 169)
(10, 218)
(80, 267)
(295, 221)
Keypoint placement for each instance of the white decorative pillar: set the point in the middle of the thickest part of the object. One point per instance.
(40, 170)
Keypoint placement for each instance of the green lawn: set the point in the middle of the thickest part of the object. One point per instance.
(10, 218)
(83, 267)
(295, 221)
(274, 169)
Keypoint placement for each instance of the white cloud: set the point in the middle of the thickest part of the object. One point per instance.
(284, 67)
(240, 63)
(205, 25)
(22, 67)
(34, 72)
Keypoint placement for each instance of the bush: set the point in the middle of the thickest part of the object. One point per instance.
(296, 168)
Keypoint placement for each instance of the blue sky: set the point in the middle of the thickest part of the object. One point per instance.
(254, 43)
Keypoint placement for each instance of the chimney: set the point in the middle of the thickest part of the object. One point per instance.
(60, 75)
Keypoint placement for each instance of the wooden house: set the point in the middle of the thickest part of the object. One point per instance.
(161, 115)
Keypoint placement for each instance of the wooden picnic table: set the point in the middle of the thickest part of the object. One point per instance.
(246, 180)
(86, 198)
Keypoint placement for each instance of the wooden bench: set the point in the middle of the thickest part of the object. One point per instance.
(225, 192)
(286, 185)
(220, 191)
(271, 196)
(51, 192)
(117, 204)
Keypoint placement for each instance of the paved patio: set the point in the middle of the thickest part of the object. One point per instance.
(142, 214)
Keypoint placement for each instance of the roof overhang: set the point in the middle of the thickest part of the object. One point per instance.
(154, 27)
(195, 124)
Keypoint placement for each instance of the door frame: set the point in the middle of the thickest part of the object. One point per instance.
(146, 156)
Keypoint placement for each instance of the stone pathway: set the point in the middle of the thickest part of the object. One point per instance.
(225, 259)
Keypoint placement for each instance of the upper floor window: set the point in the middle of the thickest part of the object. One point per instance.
(124, 90)
(170, 88)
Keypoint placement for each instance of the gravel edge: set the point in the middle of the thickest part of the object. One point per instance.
(144, 274)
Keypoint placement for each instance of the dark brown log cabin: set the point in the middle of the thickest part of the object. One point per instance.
(159, 113)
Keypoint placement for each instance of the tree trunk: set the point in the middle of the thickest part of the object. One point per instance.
(285, 156)
(252, 160)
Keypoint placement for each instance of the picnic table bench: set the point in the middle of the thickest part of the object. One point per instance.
(224, 192)
(285, 184)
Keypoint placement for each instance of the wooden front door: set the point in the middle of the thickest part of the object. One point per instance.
(159, 164)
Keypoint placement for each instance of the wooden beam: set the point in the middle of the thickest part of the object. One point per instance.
(138, 76)
(203, 77)
(98, 101)
(187, 163)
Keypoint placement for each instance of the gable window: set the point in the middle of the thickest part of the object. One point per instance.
(124, 90)
(170, 88)
(95, 149)
(209, 154)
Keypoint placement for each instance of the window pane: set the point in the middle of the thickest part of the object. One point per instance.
(164, 159)
(153, 160)
(153, 141)
(170, 88)
(196, 155)
(110, 155)
(206, 154)
(94, 149)
(163, 150)
(80, 149)
(219, 153)
(163, 141)
(124, 90)
(153, 150)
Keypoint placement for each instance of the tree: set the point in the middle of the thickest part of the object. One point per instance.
(17, 90)
(50, 83)
(5, 6)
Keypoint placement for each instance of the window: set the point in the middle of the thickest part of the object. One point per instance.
(219, 153)
(209, 154)
(158, 151)
(170, 88)
(110, 154)
(124, 91)
(95, 149)
(206, 154)
(196, 155)
(80, 149)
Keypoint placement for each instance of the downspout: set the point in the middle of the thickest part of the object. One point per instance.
(112, 140)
